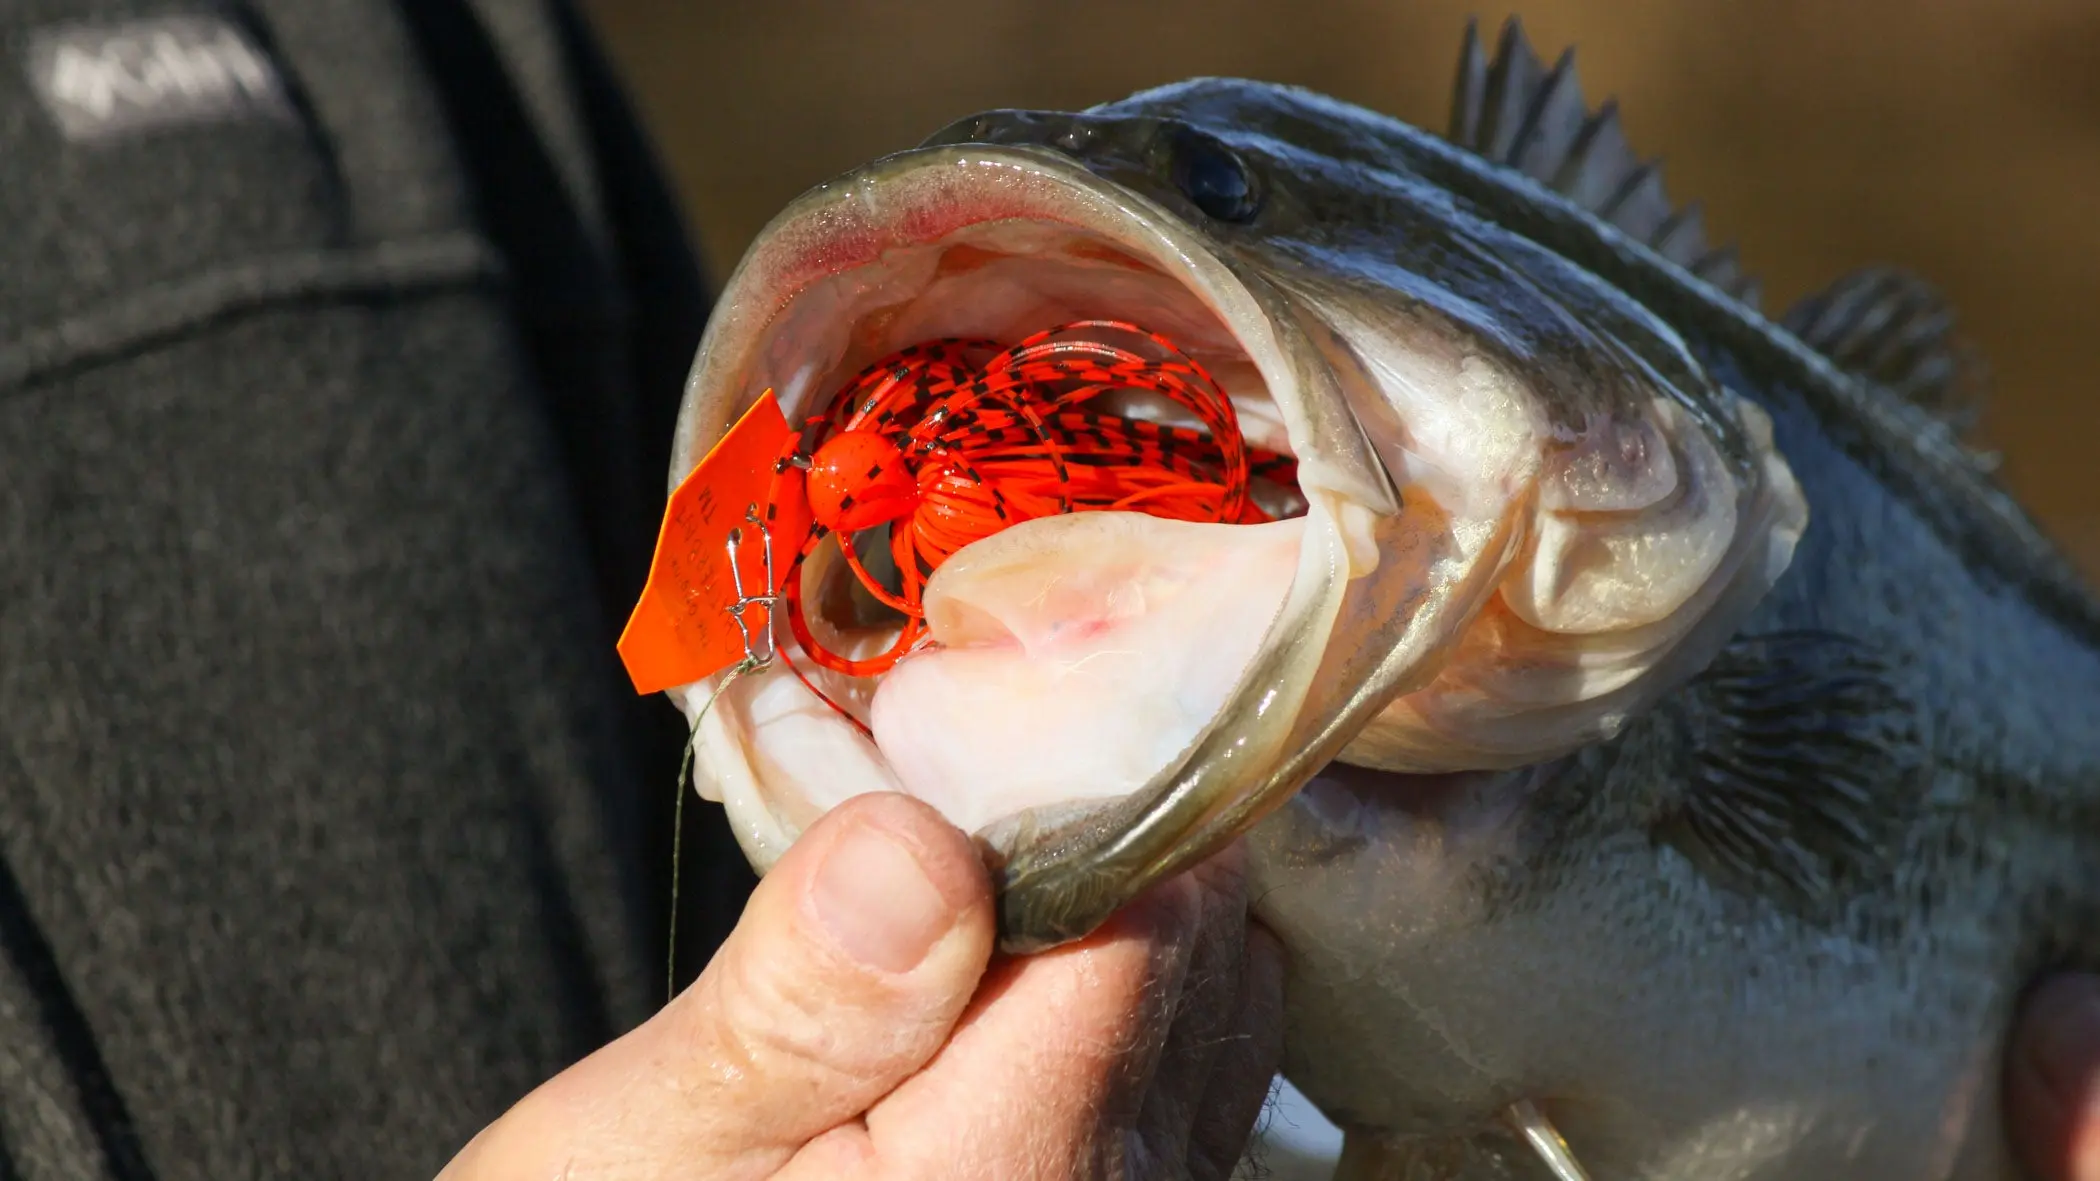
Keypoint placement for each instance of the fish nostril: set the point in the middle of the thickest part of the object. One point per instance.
(1073, 140)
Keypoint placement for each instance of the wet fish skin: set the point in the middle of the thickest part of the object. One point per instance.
(1826, 999)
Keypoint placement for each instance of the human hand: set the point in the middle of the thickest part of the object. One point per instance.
(856, 1025)
(2052, 1083)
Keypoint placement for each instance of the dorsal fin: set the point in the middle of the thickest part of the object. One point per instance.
(1515, 111)
(1895, 330)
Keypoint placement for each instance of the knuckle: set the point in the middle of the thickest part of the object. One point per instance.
(767, 1020)
(811, 1025)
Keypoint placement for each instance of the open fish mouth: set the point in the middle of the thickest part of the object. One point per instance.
(1078, 662)
(1105, 698)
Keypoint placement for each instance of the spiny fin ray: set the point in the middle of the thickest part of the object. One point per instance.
(1514, 111)
(1895, 330)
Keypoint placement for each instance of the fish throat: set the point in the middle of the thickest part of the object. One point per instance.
(942, 444)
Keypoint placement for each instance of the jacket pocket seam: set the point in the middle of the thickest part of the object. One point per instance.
(175, 308)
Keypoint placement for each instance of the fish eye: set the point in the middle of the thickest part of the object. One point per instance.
(1214, 178)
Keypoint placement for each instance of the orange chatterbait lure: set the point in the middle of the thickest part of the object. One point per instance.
(951, 441)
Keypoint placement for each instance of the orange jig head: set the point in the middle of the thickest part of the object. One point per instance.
(858, 480)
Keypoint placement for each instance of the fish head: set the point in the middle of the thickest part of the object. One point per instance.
(1523, 510)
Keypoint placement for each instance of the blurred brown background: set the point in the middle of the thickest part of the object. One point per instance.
(1958, 137)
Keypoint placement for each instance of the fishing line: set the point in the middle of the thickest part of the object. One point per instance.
(759, 653)
(685, 779)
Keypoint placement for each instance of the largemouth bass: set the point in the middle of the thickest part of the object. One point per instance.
(1663, 747)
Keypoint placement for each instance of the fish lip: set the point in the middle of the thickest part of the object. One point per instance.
(1053, 885)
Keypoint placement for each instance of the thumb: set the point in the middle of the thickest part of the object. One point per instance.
(854, 958)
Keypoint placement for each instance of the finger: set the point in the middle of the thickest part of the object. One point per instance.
(1245, 1064)
(852, 961)
(1042, 1076)
(1204, 1016)
(2052, 1085)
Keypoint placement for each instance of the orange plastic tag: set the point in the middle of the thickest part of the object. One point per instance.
(681, 629)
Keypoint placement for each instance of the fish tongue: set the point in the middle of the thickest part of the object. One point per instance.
(1075, 656)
